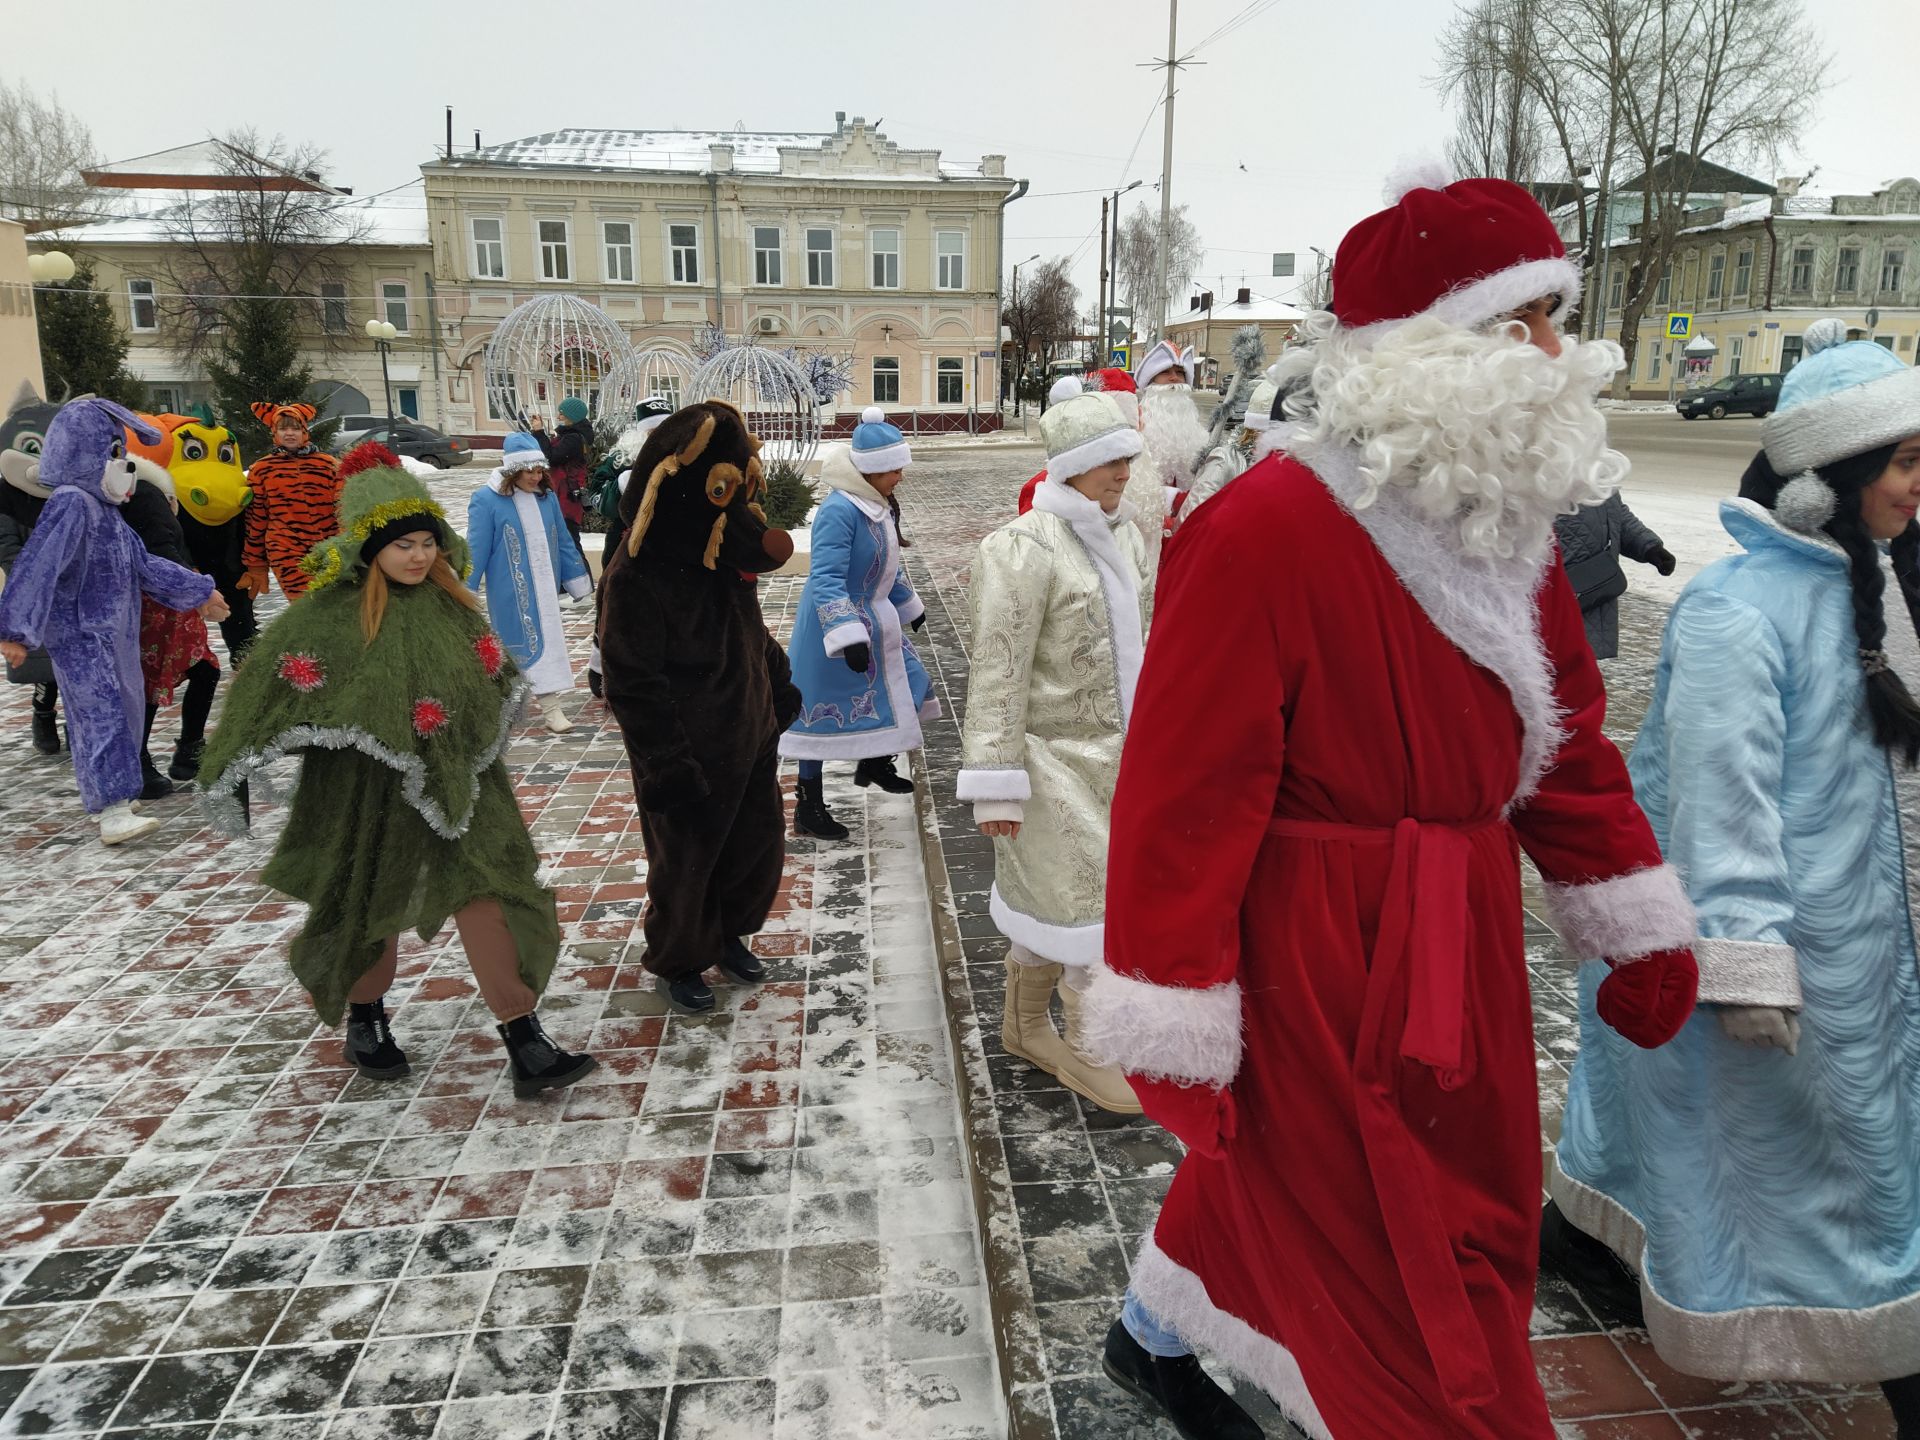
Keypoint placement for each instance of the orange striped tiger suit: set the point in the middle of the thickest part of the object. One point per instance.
(295, 498)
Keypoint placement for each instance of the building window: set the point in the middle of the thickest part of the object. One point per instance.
(489, 247)
(333, 307)
(683, 244)
(393, 304)
(667, 387)
(1791, 350)
(1653, 372)
(1616, 289)
(820, 257)
(1743, 272)
(950, 251)
(1846, 270)
(1665, 293)
(502, 407)
(141, 306)
(1885, 342)
(1800, 272)
(616, 237)
(886, 381)
(1893, 271)
(554, 262)
(766, 255)
(407, 399)
(1733, 354)
(1716, 275)
(885, 245)
(950, 380)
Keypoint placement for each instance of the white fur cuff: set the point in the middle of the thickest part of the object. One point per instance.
(1626, 917)
(914, 608)
(1011, 783)
(580, 587)
(847, 632)
(1164, 1032)
(1748, 972)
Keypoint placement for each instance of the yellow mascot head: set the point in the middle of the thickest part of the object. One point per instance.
(205, 465)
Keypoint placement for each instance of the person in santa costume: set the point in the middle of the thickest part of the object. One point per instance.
(1366, 691)
(1176, 441)
(1762, 1173)
(1058, 625)
(1113, 382)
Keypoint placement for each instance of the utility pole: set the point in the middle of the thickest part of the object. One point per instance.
(1100, 299)
(1166, 169)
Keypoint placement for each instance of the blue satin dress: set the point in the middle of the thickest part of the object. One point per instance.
(1770, 1201)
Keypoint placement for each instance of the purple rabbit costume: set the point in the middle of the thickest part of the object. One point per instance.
(75, 589)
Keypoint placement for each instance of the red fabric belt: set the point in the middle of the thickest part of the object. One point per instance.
(1419, 960)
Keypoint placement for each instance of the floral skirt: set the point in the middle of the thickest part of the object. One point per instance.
(172, 642)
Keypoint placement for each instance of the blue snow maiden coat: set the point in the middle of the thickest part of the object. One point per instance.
(857, 593)
(522, 584)
(1771, 1201)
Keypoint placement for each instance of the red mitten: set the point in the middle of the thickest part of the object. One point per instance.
(1202, 1117)
(1648, 1000)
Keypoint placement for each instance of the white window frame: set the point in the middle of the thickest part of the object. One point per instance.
(550, 250)
(1663, 293)
(1893, 266)
(614, 252)
(1716, 276)
(1616, 288)
(892, 254)
(134, 297)
(332, 304)
(950, 367)
(821, 262)
(940, 258)
(1846, 270)
(892, 373)
(773, 271)
(1734, 346)
(404, 300)
(478, 248)
(1743, 272)
(687, 273)
(1795, 286)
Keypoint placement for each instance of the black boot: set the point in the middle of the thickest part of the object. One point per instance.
(741, 963)
(153, 785)
(370, 1047)
(691, 996)
(46, 720)
(186, 760)
(538, 1063)
(880, 771)
(195, 706)
(1178, 1388)
(811, 816)
(1610, 1289)
(596, 686)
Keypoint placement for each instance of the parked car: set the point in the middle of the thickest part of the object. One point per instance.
(1736, 395)
(410, 438)
(353, 429)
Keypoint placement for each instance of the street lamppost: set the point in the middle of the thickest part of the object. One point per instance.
(1110, 276)
(1018, 358)
(50, 267)
(382, 333)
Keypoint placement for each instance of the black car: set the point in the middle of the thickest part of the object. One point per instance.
(420, 442)
(1736, 395)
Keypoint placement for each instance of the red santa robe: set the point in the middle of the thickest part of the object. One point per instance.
(1345, 731)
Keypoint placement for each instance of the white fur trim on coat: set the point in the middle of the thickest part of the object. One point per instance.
(1080, 945)
(1120, 443)
(1119, 585)
(1625, 918)
(1480, 301)
(1748, 972)
(1849, 422)
(1008, 784)
(1178, 1299)
(912, 610)
(1164, 1032)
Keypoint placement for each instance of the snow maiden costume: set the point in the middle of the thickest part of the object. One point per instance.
(1367, 687)
(524, 556)
(864, 689)
(1770, 1198)
(1057, 640)
(404, 815)
(75, 589)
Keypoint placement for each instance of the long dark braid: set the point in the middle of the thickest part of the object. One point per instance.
(1891, 708)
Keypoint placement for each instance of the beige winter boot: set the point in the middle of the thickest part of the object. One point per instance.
(1102, 1084)
(555, 717)
(1027, 1028)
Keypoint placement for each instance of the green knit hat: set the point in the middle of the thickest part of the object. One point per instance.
(377, 492)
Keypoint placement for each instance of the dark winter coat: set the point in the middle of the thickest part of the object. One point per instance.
(151, 515)
(567, 449)
(19, 513)
(1592, 540)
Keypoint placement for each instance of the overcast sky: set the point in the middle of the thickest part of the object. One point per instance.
(1282, 135)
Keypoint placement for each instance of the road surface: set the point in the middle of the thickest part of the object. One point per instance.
(1682, 469)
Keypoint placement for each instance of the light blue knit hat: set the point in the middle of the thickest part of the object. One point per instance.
(877, 446)
(1846, 398)
(521, 452)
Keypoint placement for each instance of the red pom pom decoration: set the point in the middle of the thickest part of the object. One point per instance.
(492, 653)
(368, 455)
(430, 717)
(302, 672)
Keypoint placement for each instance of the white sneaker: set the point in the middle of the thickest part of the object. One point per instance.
(556, 718)
(119, 824)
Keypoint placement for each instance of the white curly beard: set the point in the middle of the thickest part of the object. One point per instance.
(1483, 432)
(1170, 424)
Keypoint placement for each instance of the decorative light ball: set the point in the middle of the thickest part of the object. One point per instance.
(656, 370)
(774, 395)
(37, 268)
(59, 266)
(549, 348)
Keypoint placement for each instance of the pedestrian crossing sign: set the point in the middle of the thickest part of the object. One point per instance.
(1118, 356)
(1679, 326)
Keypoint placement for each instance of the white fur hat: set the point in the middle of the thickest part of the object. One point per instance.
(1084, 432)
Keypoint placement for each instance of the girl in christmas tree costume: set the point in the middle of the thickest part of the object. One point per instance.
(400, 701)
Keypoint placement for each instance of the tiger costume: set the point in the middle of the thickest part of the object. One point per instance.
(295, 497)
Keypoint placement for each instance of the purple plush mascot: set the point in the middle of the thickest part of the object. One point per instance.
(75, 589)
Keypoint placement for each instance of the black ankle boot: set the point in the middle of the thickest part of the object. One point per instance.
(153, 785)
(538, 1063)
(811, 816)
(596, 686)
(691, 996)
(186, 760)
(370, 1048)
(741, 963)
(1610, 1289)
(1178, 1388)
(880, 771)
(46, 721)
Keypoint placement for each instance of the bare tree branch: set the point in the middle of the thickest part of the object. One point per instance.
(43, 149)
(1139, 262)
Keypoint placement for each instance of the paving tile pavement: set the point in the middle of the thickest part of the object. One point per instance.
(751, 1224)
(1074, 1187)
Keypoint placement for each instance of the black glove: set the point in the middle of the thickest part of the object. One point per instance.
(920, 621)
(671, 786)
(787, 706)
(1662, 560)
(859, 657)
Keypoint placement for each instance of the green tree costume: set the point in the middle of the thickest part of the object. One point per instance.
(403, 814)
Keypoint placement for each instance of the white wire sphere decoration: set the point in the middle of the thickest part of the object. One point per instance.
(774, 395)
(654, 370)
(558, 341)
